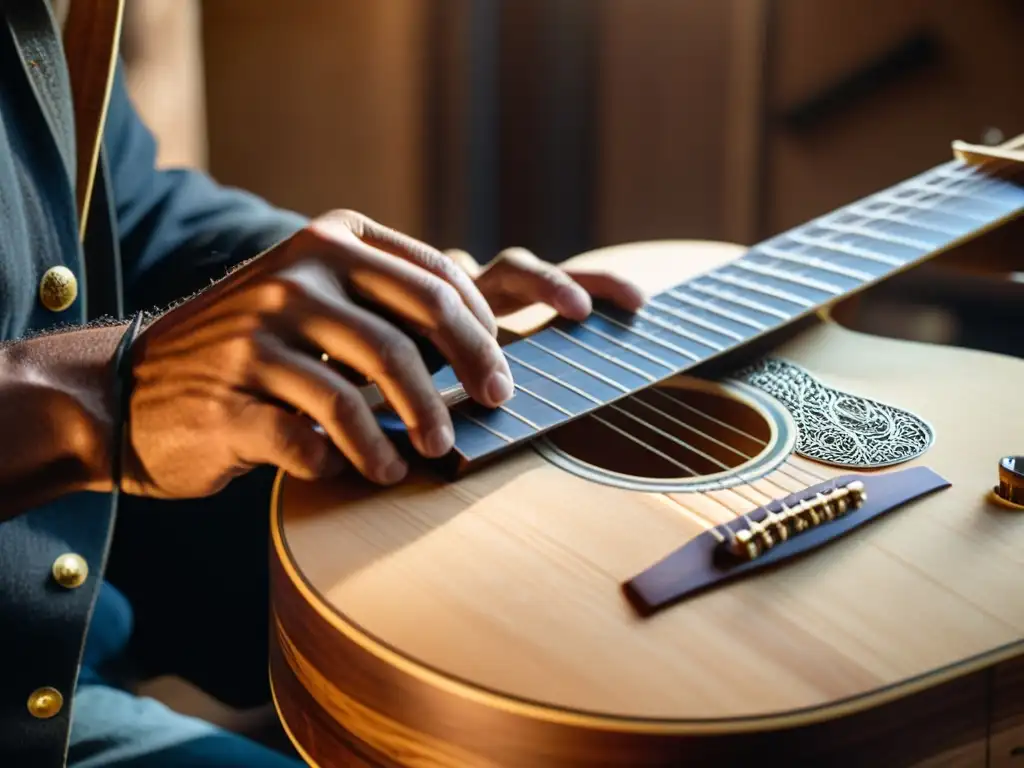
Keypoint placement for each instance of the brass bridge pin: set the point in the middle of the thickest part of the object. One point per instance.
(1010, 491)
(776, 527)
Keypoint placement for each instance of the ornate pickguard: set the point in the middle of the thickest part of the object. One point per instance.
(839, 428)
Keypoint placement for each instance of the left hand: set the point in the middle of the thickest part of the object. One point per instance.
(518, 279)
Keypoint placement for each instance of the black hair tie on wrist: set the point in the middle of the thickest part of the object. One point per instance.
(124, 381)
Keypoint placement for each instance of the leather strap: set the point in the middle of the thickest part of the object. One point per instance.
(91, 38)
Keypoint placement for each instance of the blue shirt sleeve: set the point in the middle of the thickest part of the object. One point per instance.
(178, 229)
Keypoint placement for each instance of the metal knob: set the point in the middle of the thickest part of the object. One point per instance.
(1011, 480)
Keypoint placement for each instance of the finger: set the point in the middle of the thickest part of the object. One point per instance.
(433, 305)
(376, 235)
(378, 350)
(519, 275)
(607, 286)
(464, 260)
(270, 435)
(309, 302)
(336, 405)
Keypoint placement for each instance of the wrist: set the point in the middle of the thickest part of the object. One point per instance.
(67, 380)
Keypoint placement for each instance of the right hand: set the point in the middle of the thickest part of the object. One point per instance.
(233, 378)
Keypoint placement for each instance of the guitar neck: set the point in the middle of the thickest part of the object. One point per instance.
(570, 369)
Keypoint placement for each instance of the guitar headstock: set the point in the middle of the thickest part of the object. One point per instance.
(1009, 153)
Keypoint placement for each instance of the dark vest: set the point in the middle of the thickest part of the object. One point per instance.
(45, 615)
(161, 235)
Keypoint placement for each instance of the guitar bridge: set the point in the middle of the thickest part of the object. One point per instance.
(765, 528)
(776, 533)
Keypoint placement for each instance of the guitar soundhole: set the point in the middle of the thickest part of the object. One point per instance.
(685, 435)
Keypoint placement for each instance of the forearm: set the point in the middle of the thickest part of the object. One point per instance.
(56, 416)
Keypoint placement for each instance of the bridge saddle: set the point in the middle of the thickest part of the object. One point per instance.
(763, 531)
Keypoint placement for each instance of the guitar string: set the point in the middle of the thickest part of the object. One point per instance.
(976, 179)
(739, 490)
(748, 481)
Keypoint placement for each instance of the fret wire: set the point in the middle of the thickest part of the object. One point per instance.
(814, 263)
(682, 332)
(937, 189)
(650, 337)
(764, 290)
(853, 229)
(614, 360)
(851, 250)
(628, 347)
(895, 218)
(792, 277)
(526, 421)
(489, 428)
(739, 301)
(579, 366)
(693, 319)
(548, 376)
(714, 308)
(919, 206)
(958, 171)
(967, 171)
(928, 192)
(944, 194)
(542, 399)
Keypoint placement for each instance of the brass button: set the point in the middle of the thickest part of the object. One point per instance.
(45, 703)
(70, 570)
(58, 289)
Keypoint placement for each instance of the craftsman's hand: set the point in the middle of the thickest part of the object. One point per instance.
(234, 378)
(517, 279)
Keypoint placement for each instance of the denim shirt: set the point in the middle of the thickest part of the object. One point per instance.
(154, 236)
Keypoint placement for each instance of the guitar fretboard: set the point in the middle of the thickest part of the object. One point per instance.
(571, 369)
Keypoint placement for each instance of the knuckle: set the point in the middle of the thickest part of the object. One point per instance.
(242, 357)
(214, 411)
(443, 302)
(240, 353)
(278, 293)
(396, 354)
(296, 440)
(518, 257)
(352, 220)
(346, 406)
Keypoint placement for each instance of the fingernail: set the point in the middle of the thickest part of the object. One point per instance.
(572, 302)
(637, 300)
(393, 472)
(499, 388)
(440, 441)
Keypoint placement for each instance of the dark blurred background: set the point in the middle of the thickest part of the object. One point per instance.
(561, 125)
(564, 124)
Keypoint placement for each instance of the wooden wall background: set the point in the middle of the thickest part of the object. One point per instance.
(565, 124)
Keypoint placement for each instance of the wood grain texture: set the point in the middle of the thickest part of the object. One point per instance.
(486, 614)
(902, 124)
(321, 104)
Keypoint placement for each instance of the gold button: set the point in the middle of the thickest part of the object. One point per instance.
(58, 289)
(45, 703)
(70, 570)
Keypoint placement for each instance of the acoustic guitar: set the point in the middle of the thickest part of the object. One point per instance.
(721, 530)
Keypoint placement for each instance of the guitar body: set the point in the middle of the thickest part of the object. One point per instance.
(482, 621)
